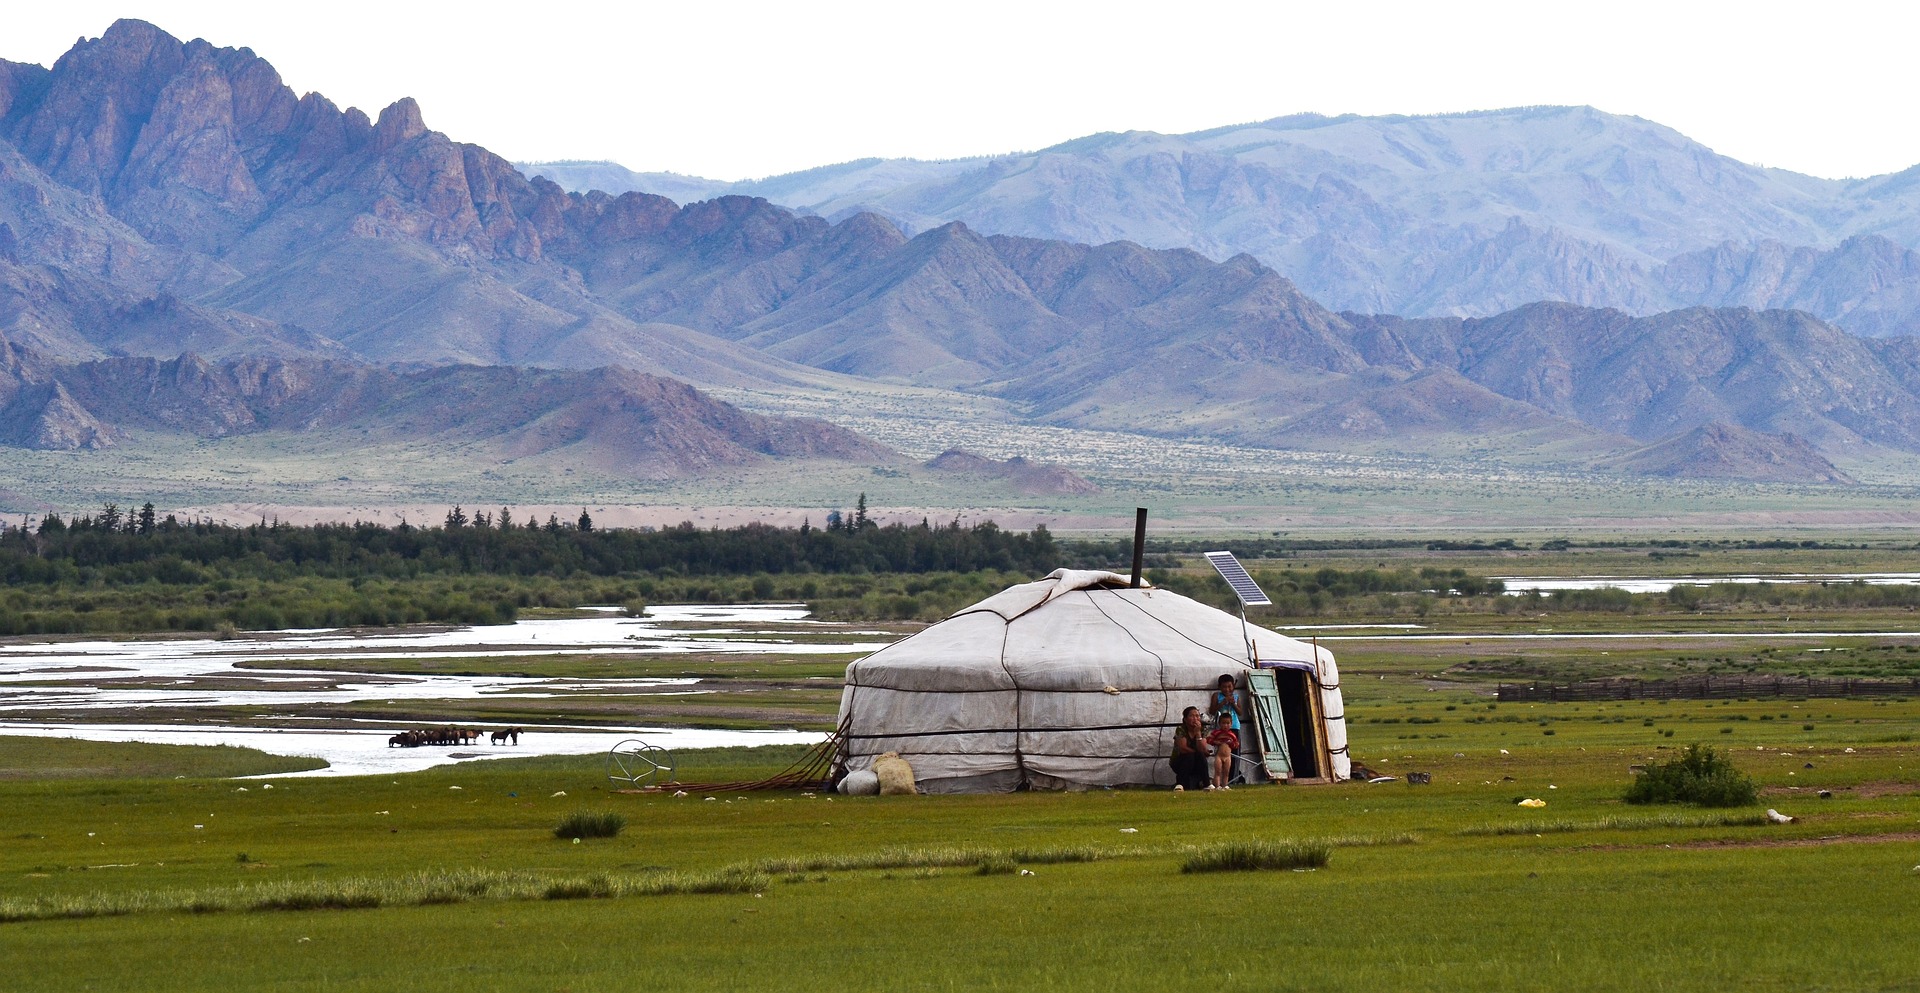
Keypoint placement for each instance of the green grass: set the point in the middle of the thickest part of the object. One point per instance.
(69, 758)
(1247, 856)
(1619, 823)
(399, 881)
(419, 889)
(590, 824)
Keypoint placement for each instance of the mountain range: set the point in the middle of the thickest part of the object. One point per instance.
(613, 419)
(1463, 215)
(186, 245)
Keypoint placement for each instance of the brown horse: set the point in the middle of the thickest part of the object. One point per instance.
(501, 736)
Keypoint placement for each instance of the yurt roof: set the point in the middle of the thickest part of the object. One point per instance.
(1077, 630)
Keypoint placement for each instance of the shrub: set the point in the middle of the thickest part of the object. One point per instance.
(590, 824)
(1243, 856)
(1698, 775)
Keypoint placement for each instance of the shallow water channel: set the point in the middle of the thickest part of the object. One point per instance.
(1661, 584)
(45, 679)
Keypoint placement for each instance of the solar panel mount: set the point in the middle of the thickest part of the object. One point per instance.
(1236, 576)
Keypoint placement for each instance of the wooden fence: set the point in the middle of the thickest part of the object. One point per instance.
(1708, 688)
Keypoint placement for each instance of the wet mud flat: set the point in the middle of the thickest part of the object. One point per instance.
(697, 674)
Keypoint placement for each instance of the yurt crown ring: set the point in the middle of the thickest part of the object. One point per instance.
(638, 763)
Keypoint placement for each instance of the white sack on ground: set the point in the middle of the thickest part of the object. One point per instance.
(862, 783)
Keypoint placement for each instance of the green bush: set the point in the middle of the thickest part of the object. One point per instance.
(1242, 856)
(590, 824)
(1700, 776)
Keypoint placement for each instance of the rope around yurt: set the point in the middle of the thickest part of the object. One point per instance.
(811, 771)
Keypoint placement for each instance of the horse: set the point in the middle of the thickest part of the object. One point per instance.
(501, 736)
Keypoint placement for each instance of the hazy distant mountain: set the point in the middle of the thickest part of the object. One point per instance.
(611, 419)
(1459, 214)
(1722, 451)
(1868, 284)
(1650, 377)
(1025, 476)
(612, 177)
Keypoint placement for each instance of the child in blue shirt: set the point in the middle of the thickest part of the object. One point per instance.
(1225, 739)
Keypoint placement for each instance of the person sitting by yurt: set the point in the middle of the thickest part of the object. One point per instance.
(1190, 752)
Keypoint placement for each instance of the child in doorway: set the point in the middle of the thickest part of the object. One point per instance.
(1225, 739)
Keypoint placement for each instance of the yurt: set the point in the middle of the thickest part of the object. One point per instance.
(1079, 680)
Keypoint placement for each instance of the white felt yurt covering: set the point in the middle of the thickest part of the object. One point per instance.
(1075, 680)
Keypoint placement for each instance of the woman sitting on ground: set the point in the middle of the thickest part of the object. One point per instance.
(1190, 752)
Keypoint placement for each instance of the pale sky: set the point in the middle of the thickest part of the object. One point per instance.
(749, 89)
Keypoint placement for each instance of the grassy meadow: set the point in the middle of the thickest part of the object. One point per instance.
(142, 867)
(453, 878)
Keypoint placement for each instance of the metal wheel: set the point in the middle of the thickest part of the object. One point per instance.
(636, 763)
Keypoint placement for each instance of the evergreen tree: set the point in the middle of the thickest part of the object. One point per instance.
(110, 517)
(456, 518)
(860, 521)
(146, 517)
(586, 522)
(505, 519)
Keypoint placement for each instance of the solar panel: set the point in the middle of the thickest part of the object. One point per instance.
(1236, 576)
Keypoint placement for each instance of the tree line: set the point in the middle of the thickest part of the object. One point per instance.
(116, 547)
(115, 570)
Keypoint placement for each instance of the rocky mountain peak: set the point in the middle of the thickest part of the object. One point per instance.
(1718, 450)
(1026, 477)
(399, 122)
(20, 82)
(57, 422)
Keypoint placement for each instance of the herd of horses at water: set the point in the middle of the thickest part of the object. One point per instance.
(451, 735)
